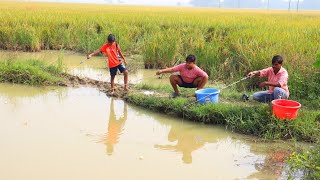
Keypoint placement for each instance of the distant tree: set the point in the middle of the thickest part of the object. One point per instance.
(289, 5)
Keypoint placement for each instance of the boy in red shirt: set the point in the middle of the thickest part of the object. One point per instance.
(113, 52)
(191, 76)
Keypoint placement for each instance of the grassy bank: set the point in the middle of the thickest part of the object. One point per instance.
(31, 72)
(228, 43)
(244, 117)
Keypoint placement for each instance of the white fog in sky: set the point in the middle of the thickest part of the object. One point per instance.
(261, 4)
(131, 2)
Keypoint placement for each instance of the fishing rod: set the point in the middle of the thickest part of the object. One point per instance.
(235, 83)
(174, 64)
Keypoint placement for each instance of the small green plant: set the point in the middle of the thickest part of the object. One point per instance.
(308, 162)
(317, 63)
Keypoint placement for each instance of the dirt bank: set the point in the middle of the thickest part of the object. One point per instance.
(76, 81)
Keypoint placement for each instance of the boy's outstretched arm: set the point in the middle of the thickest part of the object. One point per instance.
(92, 54)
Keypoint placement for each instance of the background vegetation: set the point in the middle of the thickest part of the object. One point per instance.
(228, 43)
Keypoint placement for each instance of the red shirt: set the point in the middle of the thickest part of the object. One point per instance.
(111, 52)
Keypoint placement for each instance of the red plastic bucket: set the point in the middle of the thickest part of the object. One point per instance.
(285, 109)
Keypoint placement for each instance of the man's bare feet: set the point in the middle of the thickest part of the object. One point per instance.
(126, 88)
(112, 91)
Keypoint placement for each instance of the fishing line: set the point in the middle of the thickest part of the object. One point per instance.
(215, 92)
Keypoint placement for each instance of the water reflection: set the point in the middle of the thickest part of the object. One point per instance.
(15, 94)
(186, 144)
(274, 162)
(115, 127)
(188, 137)
(21, 91)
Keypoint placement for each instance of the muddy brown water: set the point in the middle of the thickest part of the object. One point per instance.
(80, 133)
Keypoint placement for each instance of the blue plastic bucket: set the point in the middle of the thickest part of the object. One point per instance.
(209, 95)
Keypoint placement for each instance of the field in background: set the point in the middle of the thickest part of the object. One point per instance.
(228, 43)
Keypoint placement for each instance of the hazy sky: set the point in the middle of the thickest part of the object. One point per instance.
(201, 3)
(134, 2)
(156, 2)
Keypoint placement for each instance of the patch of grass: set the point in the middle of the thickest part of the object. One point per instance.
(31, 72)
(150, 86)
(317, 63)
(164, 88)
